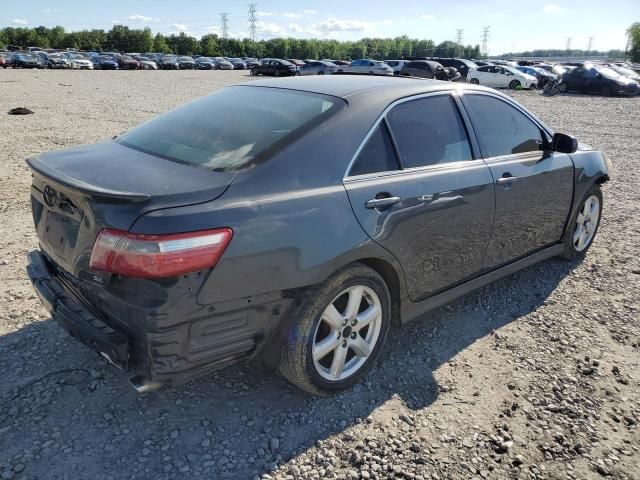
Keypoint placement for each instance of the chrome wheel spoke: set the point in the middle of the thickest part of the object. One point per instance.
(326, 346)
(333, 317)
(578, 233)
(353, 305)
(366, 317)
(360, 347)
(337, 364)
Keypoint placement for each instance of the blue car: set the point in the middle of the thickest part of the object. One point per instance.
(542, 75)
(105, 62)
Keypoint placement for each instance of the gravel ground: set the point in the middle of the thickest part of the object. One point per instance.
(535, 376)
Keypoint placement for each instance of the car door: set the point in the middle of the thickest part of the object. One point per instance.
(491, 76)
(574, 78)
(418, 188)
(533, 185)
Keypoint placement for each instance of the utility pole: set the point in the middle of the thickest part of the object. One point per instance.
(224, 25)
(252, 21)
(459, 38)
(484, 48)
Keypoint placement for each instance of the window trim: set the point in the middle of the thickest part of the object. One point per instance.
(464, 118)
(473, 122)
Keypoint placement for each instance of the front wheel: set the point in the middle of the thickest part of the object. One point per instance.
(253, 72)
(514, 84)
(337, 332)
(584, 225)
(475, 81)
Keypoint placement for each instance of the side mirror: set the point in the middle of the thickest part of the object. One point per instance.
(564, 143)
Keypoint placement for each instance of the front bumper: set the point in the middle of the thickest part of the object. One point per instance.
(169, 343)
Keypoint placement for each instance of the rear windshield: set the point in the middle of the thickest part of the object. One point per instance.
(232, 128)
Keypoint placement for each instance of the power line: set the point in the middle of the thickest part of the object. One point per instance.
(224, 25)
(484, 49)
(252, 21)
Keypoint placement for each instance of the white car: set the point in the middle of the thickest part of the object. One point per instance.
(367, 66)
(396, 65)
(79, 62)
(501, 76)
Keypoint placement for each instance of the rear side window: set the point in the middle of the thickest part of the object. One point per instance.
(429, 131)
(233, 127)
(502, 129)
(377, 155)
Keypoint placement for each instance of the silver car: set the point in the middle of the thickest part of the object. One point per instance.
(367, 66)
(222, 64)
(396, 65)
(318, 67)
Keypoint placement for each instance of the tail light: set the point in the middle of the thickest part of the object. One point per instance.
(158, 256)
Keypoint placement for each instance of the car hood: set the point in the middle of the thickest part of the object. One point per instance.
(624, 81)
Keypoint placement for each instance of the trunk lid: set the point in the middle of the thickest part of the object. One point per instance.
(78, 192)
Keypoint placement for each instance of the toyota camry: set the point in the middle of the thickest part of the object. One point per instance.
(292, 222)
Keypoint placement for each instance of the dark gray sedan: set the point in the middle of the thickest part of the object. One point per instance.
(293, 221)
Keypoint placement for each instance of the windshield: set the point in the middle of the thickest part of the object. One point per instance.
(232, 128)
(607, 72)
(625, 71)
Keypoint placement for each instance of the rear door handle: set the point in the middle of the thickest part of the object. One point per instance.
(506, 180)
(381, 202)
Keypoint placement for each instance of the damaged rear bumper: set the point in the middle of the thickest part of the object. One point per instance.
(169, 344)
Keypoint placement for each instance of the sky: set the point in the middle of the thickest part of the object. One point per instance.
(515, 26)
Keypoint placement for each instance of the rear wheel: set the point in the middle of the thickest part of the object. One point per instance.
(320, 72)
(475, 81)
(337, 331)
(584, 225)
(515, 84)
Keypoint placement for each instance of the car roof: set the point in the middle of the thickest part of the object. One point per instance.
(348, 85)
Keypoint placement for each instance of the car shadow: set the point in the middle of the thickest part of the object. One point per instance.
(237, 422)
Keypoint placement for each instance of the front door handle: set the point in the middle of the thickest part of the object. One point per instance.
(381, 202)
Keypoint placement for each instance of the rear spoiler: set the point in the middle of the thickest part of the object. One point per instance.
(67, 182)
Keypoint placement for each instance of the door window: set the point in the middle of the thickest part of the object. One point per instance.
(429, 131)
(377, 154)
(501, 128)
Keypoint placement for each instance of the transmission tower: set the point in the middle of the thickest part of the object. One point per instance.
(224, 25)
(459, 38)
(589, 44)
(568, 44)
(484, 49)
(252, 21)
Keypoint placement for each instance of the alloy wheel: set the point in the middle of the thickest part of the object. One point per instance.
(347, 333)
(586, 223)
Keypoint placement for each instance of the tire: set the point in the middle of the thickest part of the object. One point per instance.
(606, 91)
(253, 72)
(475, 81)
(573, 249)
(276, 73)
(564, 88)
(310, 331)
(514, 84)
(320, 72)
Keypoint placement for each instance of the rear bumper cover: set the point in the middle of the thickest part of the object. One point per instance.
(171, 344)
(75, 318)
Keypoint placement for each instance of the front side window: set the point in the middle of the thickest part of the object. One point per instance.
(429, 131)
(377, 155)
(501, 128)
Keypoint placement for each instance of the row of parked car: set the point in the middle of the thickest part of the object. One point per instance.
(604, 78)
(115, 61)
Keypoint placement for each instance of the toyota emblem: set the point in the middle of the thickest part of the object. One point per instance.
(49, 196)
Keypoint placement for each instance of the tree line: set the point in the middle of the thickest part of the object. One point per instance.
(121, 38)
